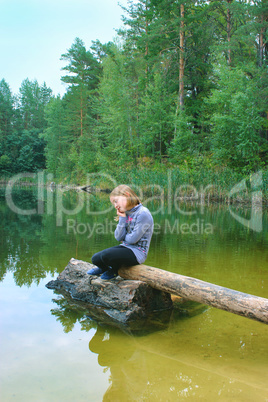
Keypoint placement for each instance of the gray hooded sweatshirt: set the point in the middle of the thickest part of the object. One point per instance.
(135, 231)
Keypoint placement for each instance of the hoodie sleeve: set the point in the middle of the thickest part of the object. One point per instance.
(121, 229)
(143, 223)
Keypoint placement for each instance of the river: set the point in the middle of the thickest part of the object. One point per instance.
(51, 350)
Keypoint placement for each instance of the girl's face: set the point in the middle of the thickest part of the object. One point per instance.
(120, 203)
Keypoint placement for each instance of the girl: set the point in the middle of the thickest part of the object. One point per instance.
(134, 230)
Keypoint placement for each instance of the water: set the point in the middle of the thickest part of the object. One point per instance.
(52, 351)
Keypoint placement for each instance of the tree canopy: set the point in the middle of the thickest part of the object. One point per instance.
(183, 84)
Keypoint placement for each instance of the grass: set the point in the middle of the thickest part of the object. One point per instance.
(214, 184)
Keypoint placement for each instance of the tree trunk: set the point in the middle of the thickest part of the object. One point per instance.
(229, 31)
(202, 292)
(146, 45)
(181, 76)
(81, 114)
(180, 103)
(261, 44)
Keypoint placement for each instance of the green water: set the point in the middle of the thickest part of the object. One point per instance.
(52, 351)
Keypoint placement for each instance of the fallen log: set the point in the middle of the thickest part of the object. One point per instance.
(236, 302)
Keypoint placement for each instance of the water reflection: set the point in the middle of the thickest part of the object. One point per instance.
(33, 245)
(136, 374)
(167, 368)
(69, 312)
(126, 362)
(196, 354)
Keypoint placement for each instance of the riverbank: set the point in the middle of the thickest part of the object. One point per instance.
(223, 186)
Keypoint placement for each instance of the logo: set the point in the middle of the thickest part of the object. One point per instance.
(251, 185)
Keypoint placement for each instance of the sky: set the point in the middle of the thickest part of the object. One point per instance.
(35, 33)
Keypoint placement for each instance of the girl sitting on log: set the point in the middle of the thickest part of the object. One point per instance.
(134, 230)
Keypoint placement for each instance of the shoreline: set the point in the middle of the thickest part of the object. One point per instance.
(216, 198)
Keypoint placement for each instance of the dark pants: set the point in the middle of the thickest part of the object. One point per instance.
(114, 257)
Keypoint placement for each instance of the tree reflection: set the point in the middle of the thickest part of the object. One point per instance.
(135, 372)
(68, 314)
(31, 246)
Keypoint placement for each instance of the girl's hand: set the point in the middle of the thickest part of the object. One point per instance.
(120, 213)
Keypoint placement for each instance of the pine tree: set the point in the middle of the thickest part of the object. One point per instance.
(6, 120)
(118, 108)
(57, 146)
(83, 78)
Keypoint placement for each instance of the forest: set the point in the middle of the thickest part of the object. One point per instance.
(182, 88)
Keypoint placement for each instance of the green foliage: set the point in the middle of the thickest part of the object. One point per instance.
(183, 144)
(83, 78)
(156, 119)
(57, 144)
(6, 111)
(21, 122)
(125, 113)
(83, 68)
(236, 119)
(5, 164)
(118, 109)
(32, 102)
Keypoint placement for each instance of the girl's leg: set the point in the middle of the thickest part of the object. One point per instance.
(114, 257)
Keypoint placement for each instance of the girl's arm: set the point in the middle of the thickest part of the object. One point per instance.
(121, 229)
(144, 222)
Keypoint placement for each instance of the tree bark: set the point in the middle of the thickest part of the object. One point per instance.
(261, 43)
(229, 31)
(181, 75)
(117, 299)
(243, 304)
(81, 114)
(146, 44)
(180, 102)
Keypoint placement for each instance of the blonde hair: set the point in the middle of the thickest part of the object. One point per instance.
(126, 191)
